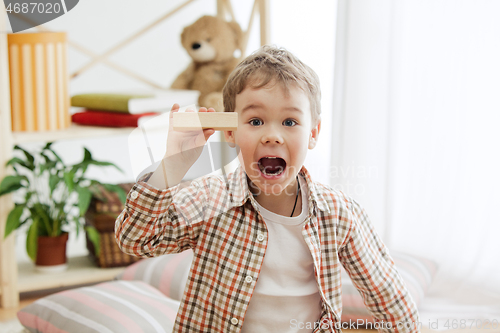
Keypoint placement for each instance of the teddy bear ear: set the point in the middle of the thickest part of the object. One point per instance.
(238, 33)
(183, 35)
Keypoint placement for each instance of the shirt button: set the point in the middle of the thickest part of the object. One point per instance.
(234, 321)
(260, 237)
(248, 279)
(134, 195)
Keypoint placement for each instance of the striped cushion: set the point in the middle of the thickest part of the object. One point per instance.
(117, 306)
(167, 273)
(417, 273)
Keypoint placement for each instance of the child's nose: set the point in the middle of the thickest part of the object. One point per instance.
(272, 137)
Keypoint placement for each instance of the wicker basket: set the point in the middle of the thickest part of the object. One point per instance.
(102, 214)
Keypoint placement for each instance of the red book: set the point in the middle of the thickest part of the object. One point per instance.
(108, 119)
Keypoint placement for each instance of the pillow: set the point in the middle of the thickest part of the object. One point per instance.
(417, 273)
(116, 306)
(167, 273)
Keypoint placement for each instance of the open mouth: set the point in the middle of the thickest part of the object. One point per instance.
(272, 166)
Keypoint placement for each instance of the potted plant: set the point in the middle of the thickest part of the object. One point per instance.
(50, 196)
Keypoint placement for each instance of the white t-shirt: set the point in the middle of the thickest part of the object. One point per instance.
(286, 295)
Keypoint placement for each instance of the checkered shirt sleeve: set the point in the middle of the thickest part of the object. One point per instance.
(372, 270)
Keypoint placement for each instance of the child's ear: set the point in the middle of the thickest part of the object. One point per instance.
(229, 136)
(313, 137)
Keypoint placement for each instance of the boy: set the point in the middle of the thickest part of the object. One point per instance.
(268, 242)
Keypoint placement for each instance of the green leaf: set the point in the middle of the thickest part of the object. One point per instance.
(42, 212)
(30, 160)
(11, 183)
(48, 145)
(94, 237)
(101, 163)
(32, 239)
(54, 153)
(68, 179)
(45, 157)
(47, 166)
(53, 181)
(28, 196)
(16, 161)
(87, 156)
(118, 190)
(13, 219)
(76, 220)
(84, 197)
(80, 166)
(56, 227)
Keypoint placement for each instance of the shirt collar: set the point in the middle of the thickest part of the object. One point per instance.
(240, 193)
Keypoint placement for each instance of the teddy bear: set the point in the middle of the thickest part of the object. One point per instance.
(211, 43)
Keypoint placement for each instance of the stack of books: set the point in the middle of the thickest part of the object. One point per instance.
(127, 110)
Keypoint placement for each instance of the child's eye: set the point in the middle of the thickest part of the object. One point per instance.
(255, 122)
(290, 122)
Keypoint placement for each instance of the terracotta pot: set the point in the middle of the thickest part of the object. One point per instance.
(51, 252)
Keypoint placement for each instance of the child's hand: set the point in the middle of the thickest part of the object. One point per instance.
(186, 147)
(183, 149)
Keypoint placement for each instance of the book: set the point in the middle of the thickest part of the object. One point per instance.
(156, 101)
(110, 119)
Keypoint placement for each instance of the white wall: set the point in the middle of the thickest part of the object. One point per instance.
(305, 29)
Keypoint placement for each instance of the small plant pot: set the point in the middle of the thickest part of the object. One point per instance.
(51, 254)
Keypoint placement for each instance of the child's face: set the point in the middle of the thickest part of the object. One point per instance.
(274, 132)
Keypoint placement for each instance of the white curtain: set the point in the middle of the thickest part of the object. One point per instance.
(416, 138)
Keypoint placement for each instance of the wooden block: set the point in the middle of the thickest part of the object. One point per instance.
(219, 121)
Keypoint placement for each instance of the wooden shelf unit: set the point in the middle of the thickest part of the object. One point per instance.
(81, 270)
(16, 278)
(72, 132)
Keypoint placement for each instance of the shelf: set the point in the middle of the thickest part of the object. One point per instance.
(81, 270)
(72, 132)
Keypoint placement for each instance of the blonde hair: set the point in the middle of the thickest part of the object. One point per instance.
(273, 65)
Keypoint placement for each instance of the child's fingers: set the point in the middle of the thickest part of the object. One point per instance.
(204, 109)
(203, 137)
(175, 108)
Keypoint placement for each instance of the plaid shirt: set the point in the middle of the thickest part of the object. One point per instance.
(217, 217)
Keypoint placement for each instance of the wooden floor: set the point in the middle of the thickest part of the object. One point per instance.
(9, 314)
